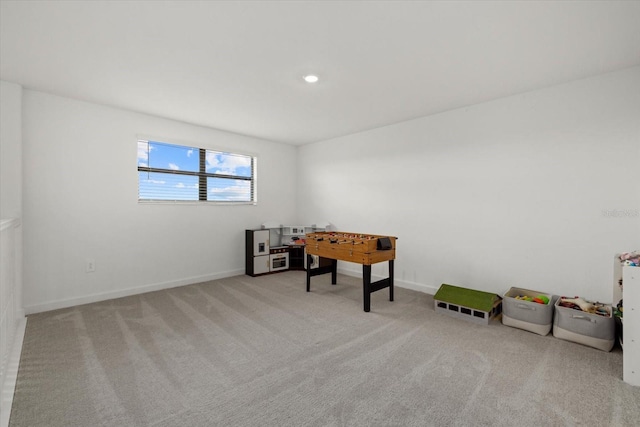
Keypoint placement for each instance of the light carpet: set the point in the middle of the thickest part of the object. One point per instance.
(246, 351)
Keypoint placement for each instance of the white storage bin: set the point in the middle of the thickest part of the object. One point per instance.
(527, 315)
(584, 328)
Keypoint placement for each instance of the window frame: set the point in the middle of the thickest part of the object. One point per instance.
(201, 174)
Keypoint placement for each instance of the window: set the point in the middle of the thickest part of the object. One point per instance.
(178, 173)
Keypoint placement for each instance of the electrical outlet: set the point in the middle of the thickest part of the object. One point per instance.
(90, 267)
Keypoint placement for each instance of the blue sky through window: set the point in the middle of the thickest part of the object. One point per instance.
(164, 186)
(228, 164)
(164, 156)
(224, 189)
(176, 186)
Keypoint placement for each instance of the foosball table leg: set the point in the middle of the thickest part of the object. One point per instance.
(366, 287)
(334, 271)
(309, 262)
(390, 280)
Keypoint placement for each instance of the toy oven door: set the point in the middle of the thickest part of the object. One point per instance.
(279, 261)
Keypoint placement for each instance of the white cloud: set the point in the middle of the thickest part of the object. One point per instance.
(143, 152)
(232, 192)
(174, 167)
(183, 185)
(189, 153)
(227, 163)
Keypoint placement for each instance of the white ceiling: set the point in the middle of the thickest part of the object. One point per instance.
(238, 66)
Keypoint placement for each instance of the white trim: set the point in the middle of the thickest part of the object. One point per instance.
(102, 296)
(13, 364)
(88, 299)
(194, 202)
(420, 287)
(12, 320)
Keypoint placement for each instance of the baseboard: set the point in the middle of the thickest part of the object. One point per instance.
(88, 299)
(103, 296)
(13, 363)
(420, 287)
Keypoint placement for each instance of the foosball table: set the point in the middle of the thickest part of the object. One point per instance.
(365, 249)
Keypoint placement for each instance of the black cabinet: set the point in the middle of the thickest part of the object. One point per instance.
(296, 257)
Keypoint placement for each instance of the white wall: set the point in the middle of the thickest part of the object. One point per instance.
(11, 204)
(80, 202)
(10, 150)
(532, 190)
(537, 190)
(12, 320)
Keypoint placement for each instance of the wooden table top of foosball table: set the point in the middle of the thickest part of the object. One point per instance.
(353, 247)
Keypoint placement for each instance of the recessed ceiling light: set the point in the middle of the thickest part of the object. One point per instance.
(310, 78)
